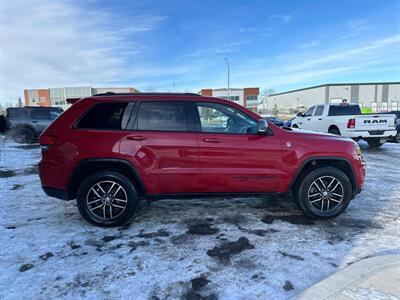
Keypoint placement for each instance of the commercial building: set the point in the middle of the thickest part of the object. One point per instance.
(247, 97)
(57, 96)
(377, 96)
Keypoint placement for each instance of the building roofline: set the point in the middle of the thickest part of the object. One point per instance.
(333, 84)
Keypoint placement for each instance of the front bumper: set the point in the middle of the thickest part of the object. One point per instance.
(55, 193)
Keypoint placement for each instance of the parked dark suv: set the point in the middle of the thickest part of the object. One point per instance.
(27, 123)
(110, 150)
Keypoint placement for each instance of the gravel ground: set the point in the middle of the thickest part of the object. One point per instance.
(253, 248)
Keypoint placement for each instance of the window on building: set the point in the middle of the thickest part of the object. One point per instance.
(32, 100)
(216, 117)
(103, 116)
(252, 98)
(395, 105)
(384, 106)
(42, 99)
(163, 116)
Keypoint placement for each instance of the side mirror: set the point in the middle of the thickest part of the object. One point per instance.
(300, 114)
(262, 126)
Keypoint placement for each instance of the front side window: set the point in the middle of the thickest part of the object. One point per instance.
(162, 116)
(103, 116)
(220, 118)
(310, 111)
(319, 110)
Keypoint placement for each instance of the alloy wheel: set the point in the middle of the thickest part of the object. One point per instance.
(325, 193)
(107, 200)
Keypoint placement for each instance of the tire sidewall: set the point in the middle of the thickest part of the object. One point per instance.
(23, 136)
(306, 206)
(102, 176)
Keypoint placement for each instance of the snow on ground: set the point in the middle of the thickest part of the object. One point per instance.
(254, 248)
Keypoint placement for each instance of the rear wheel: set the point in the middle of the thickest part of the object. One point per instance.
(107, 199)
(374, 143)
(24, 136)
(334, 130)
(324, 193)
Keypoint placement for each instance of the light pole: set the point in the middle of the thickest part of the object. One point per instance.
(227, 66)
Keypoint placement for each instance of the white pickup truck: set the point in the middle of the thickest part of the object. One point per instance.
(347, 120)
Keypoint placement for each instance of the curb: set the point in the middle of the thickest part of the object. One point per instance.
(354, 275)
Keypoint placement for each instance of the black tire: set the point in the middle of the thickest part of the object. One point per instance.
(334, 130)
(85, 191)
(24, 136)
(374, 143)
(307, 185)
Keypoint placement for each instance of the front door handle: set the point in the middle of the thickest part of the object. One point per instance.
(34, 121)
(211, 140)
(319, 119)
(308, 119)
(136, 138)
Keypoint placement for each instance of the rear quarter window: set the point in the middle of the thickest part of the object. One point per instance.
(103, 116)
(339, 110)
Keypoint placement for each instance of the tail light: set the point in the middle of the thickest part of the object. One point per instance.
(351, 123)
(46, 141)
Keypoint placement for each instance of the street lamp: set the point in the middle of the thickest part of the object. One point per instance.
(227, 66)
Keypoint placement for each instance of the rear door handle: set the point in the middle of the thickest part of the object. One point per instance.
(320, 119)
(34, 121)
(211, 140)
(136, 138)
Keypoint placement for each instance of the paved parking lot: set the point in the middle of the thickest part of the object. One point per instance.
(214, 249)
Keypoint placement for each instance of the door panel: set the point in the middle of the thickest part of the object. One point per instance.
(161, 147)
(233, 157)
(239, 162)
(167, 160)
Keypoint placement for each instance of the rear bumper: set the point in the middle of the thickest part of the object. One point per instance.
(55, 193)
(364, 134)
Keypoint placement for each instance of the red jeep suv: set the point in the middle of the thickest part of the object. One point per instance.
(110, 150)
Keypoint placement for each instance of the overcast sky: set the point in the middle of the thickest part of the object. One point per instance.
(150, 45)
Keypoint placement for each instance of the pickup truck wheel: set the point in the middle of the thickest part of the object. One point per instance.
(324, 193)
(374, 143)
(107, 199)
(23, 136)
(334, 131)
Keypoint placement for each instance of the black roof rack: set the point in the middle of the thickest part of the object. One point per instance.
(146, 94)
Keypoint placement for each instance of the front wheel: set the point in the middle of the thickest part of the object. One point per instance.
(324, 193)
(107, 199)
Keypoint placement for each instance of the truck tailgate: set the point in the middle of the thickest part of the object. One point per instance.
(375, 122)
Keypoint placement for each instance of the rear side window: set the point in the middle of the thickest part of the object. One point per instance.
(17, 113)
(40, 114)
(103, 116)
(344, 110)
(319, 110)
(162, 116)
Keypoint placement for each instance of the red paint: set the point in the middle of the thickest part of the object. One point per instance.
(191, 162)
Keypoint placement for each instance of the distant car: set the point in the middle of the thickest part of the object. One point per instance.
(288, 123)
(275, 121)
(25, 124)
(348, 120)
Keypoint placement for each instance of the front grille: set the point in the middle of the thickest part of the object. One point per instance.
(376, 132)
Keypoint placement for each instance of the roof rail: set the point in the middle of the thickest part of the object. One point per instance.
(146, 94)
